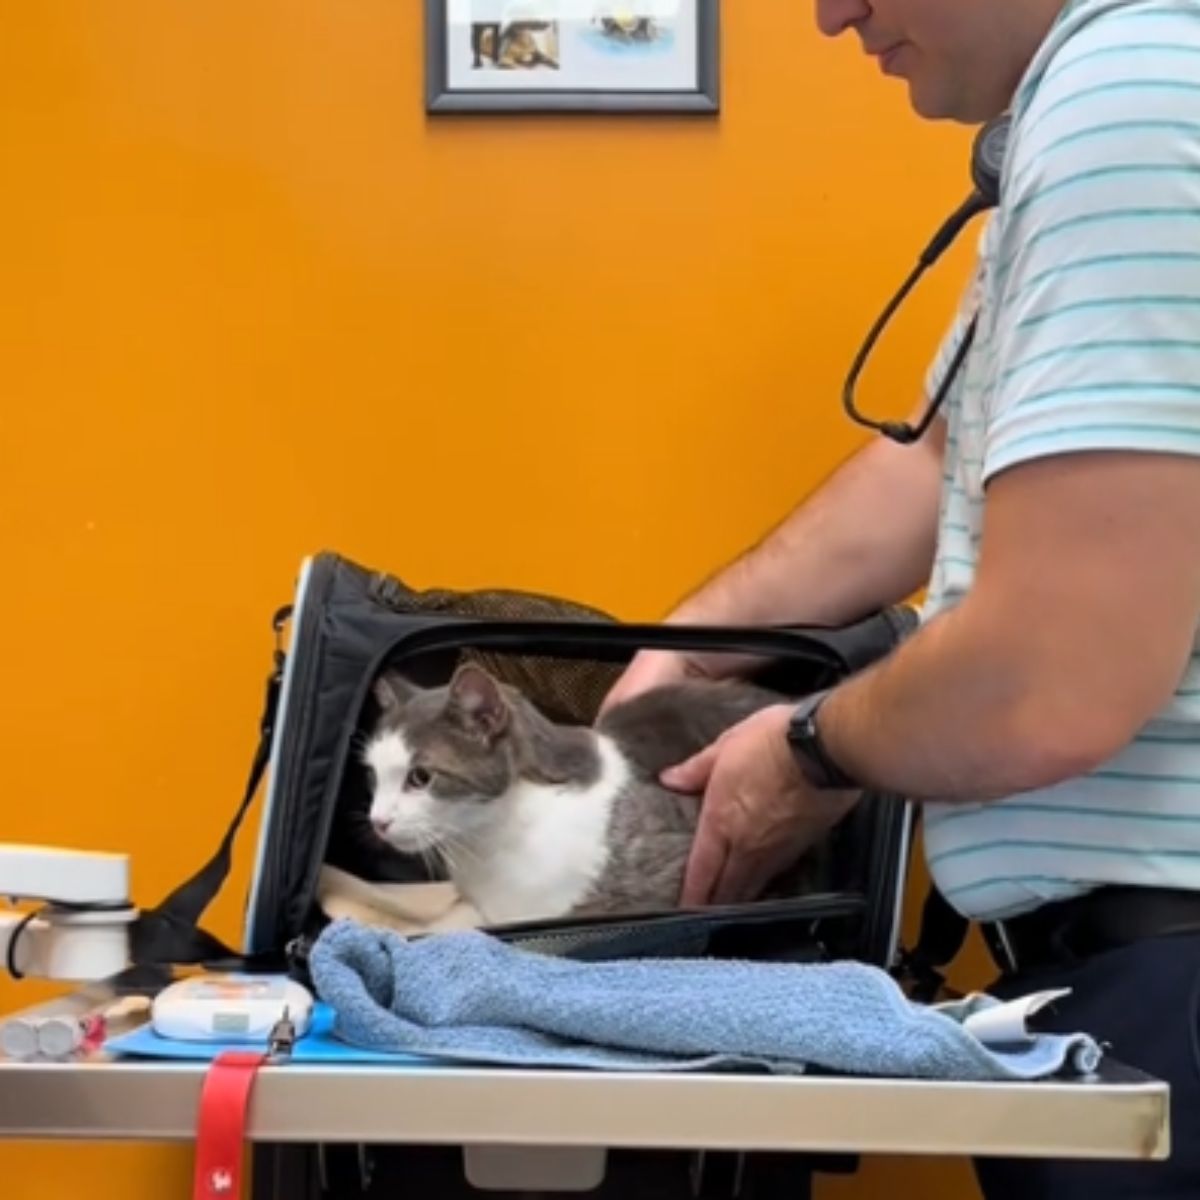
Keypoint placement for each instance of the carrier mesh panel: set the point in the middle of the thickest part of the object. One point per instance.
(567, 689)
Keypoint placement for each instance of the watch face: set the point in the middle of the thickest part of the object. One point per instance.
(801, 734)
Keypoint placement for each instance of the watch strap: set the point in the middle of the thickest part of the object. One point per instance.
(805, 739)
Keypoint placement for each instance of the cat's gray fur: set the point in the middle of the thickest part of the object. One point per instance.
(479, 738)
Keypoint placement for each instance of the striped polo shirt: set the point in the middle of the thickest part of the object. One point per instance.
(1088, 299)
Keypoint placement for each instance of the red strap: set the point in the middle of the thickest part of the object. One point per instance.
(221, 1129)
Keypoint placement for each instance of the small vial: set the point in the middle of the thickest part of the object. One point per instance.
(58, 1037)
(19, 1039)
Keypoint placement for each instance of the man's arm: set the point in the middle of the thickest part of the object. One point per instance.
(863, 540)
(1078, 629)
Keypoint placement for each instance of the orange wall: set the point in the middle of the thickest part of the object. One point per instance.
(255, 304)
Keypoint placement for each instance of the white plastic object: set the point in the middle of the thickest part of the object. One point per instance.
(58, 1037)
(62, 943)
(1007, 1024)
(71, 946)
(535, 1168)
(230, 1008)
(19, 1039)
(68, 876)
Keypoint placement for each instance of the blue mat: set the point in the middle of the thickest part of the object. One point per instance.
(317, 1046)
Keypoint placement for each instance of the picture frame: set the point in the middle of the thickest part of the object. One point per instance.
(602, 56)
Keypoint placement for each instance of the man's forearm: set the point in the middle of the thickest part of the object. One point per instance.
(865, 539)
(967, 709)
(1078, 627)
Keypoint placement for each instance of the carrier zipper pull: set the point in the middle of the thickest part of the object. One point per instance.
(281, 1039)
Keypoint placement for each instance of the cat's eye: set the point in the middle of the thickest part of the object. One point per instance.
(418, 779)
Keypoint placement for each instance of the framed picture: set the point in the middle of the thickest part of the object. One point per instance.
(572, 56)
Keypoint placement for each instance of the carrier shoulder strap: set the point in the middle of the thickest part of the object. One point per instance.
(170, 932)
(942, 931)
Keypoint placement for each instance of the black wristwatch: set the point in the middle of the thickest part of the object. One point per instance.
(805, 741)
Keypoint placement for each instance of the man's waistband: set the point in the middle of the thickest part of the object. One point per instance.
(1069, 931)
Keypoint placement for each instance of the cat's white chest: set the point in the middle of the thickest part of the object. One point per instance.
(547, 848)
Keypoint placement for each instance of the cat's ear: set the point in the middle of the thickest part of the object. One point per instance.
(392, 691)
(476, 699)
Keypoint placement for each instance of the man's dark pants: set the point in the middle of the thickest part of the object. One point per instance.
(1142, 1000)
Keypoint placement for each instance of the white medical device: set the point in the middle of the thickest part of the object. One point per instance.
(81, 932)
(231, 1008)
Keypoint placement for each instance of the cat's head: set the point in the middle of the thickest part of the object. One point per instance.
(441, 760)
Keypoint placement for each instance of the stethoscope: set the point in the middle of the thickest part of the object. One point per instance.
(987, 161)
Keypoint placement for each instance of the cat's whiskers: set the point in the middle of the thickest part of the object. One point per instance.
(444, 852)
(429, 859)
(459, 845)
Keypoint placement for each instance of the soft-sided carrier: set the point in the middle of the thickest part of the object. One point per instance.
(348, 623)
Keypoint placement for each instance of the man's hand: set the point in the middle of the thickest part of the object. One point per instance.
(759, 812)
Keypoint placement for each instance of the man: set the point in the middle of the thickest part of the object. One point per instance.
(1047, 712)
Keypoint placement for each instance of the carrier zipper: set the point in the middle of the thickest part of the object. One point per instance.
(282, 1039)
(823, 905)
(584, 932)
(394, 595)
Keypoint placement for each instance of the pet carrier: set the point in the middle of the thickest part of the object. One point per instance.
(315, 858)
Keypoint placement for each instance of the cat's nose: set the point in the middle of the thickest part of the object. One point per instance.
(381, 824)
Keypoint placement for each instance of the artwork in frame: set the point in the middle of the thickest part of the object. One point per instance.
(572, 56)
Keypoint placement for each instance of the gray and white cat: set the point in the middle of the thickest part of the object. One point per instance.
(535, 820)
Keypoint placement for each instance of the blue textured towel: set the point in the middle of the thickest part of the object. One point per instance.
(467, 997)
